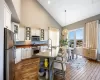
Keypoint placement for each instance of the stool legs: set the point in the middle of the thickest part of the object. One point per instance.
(63, 73)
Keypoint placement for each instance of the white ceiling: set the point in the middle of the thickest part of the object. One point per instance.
(76, 10)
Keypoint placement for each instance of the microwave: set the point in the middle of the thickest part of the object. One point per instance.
(35, 38)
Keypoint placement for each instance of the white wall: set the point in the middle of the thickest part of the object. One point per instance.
(81, 23)
(34, 15)
(17, 4)
(1, 37)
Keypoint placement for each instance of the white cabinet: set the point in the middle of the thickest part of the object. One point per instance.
(18, 55)
(7, 17)
(21, 34)
(90, 53)
(15, 29)
(46, 34)
(26, 53)
(35, 32)
(23, 53)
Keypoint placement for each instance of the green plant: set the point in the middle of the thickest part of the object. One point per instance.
(63, 42)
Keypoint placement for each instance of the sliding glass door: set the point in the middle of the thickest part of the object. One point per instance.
(76, 37)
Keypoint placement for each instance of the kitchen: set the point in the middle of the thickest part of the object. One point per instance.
(25, 29)
(32, 31)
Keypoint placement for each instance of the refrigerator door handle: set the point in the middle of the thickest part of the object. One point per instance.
(14, 52)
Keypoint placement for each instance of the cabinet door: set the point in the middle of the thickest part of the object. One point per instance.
(93, 54)
(24, 53)
(21, 34)
(29, 54)
(37, 32)
(7, 17)
(86, 52)
(33, 32)
(18, 55)
(46, 34)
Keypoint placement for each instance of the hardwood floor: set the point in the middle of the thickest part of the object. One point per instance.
(90, 71)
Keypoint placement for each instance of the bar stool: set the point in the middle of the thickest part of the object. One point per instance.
(57, 71)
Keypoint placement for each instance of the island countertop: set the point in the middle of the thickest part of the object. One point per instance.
(48, 54)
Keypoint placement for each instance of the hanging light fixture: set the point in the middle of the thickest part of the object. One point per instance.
(65, 31)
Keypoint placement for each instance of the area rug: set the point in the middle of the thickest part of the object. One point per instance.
(78, 63)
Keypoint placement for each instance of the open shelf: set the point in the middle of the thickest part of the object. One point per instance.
(44, 67)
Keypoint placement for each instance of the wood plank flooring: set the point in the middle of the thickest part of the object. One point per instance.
(90, 71)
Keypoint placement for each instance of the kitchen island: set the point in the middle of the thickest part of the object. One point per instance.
(50, 56)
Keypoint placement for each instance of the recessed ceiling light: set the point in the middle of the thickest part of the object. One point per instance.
(49, 2)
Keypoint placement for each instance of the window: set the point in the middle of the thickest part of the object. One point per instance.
(75, 38)
(54, 36)
(71, 37)
(79, 37)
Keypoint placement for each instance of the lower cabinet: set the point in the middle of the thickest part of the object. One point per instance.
(90, 53)
(86, 52)
(93, 54)
(18, 55)
(23, 53)
(27, 69)
(26, 53)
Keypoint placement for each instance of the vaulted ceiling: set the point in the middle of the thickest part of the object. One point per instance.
(76, 10)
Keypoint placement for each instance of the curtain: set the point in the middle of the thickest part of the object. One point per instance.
(54, 36)
(91, 35)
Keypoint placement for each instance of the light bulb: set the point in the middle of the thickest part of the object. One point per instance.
(48, 1)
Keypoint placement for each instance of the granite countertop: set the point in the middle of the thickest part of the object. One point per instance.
(30, 43)
(48, 54)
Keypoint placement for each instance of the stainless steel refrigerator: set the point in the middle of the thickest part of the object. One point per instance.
(9, 55)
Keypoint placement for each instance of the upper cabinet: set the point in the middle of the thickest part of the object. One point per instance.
(28, 33)
(7, 17)
(17, 6)
(46, 34)
(21, 33)
(14, 6)
(35, 32)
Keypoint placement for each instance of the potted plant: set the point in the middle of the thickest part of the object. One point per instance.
(63, 42)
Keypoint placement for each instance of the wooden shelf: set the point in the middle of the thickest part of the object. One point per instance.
(44, 67)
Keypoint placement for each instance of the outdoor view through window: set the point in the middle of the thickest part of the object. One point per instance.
(75, 38)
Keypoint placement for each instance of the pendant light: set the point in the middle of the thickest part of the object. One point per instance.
(65, 31)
